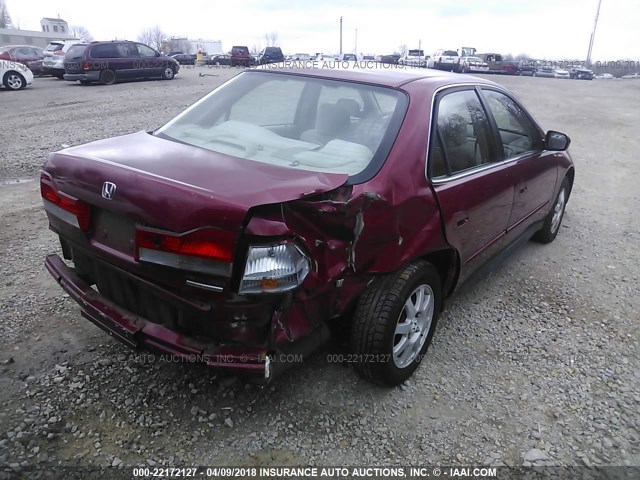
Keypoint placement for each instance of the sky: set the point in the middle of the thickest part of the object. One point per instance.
(552, 29)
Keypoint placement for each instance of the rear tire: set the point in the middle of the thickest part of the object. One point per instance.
(14, 81)
(553, 220)
(394, 323)
(107, 77)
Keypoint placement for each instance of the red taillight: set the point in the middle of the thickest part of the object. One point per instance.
(80, 209)
(5, 56)
(208, 243)
(86, 65)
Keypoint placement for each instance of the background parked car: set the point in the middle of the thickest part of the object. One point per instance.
(184, 59)
(413, 58)
(604, 76)
(633, 76)
(392, 59)
(527, 67)
(15, 75)
(220, 59)
(497, 64)
(107, 62)
(28, 55)
(53, 63)
(240, 57)
(444, 60)
(302, 57)
(349, 57)
(472, 65)
(270, 55)
(581, 73)
(561, 73)
(545, 70)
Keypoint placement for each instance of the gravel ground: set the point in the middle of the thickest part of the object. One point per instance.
(537, 363)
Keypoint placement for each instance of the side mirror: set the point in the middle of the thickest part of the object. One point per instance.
(556, 141)
(158, 54)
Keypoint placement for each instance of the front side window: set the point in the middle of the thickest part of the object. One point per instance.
(145, 51)
(461, 137)
(517, 133)
(295, 121)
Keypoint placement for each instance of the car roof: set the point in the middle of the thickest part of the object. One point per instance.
(389, 77)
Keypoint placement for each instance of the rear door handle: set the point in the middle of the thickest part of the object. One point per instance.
(460, 218)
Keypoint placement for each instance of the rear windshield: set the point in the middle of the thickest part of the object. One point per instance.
(240, 50)
(75, 52)
(295, 122)
(416, 53)
(54, 47)
(450, 53)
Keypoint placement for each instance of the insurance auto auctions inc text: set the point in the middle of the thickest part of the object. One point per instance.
(374, 472)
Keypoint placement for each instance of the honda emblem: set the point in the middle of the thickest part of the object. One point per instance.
(108, 190)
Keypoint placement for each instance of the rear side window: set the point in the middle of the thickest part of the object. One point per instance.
(461, 137)
(517, 133)
(105, 50)
(127, 50)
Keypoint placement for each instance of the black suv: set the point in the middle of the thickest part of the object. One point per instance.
(107, 62)
(270, 55)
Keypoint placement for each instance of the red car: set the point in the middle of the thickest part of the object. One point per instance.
(30, 56)
(236, 234)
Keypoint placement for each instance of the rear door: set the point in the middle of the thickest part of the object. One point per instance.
(474, 189)
(521, 143)
(127, 62)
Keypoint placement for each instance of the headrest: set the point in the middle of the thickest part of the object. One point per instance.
(331, 119)
(454, 130)
(351, 106)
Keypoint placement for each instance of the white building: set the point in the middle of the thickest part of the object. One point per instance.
(190, 46)
(54, 25)
(12, 36)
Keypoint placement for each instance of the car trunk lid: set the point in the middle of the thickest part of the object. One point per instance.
(177, 187)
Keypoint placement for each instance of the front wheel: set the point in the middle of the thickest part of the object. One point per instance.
(14, 81)
(552, 221)
(168, 73)
(394, 323)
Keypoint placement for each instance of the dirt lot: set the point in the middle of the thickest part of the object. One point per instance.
(538, 362)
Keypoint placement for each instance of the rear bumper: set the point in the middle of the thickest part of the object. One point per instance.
(92, 76)
(54, 70)
(139, 333)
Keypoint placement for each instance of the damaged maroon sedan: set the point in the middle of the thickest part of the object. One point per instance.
(286, 200)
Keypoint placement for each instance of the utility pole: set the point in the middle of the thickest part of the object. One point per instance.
(593, 34)
(355, 48)
(340, 35)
